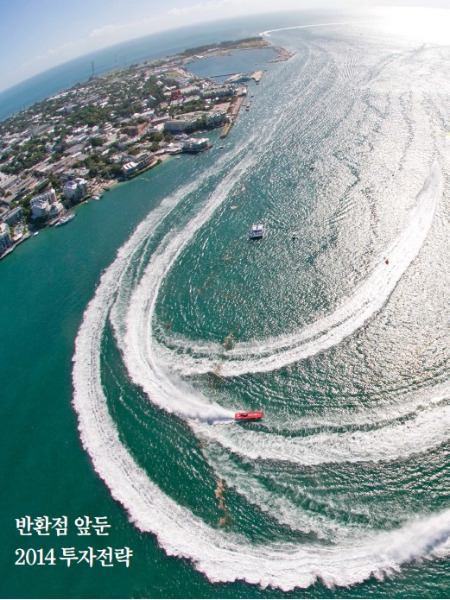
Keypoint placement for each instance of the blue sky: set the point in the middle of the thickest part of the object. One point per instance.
(36, 35)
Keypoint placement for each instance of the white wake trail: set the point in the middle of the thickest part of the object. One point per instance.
(279, 507)
(429, 429)
(220, 555)
(269, 31)
(135, 337)
(162, 387)
(400, 406)
(258, 356)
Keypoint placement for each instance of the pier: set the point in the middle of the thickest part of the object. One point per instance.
(234, 113)
(256, 76)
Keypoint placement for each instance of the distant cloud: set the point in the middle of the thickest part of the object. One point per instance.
(115, 33)
(59, 52)
(198, 7)
(94, 40)
(105, 31)
(151, 17)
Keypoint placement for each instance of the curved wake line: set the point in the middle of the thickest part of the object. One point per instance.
(260, 356)
(405, 406)
(161, 386)
(269, 31)
(135, 335)
(222, 556)
(428, 430)
(277, 506)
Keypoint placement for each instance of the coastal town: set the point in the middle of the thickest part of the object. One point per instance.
(77, 144)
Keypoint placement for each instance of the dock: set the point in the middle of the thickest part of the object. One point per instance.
(282, 54)
(234, 113)
(256, 76)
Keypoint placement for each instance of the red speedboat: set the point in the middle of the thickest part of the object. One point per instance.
(255, 415)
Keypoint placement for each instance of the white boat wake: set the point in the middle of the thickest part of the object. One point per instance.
(223, 556)
(369, 297)
(343, 554)
(429, 429)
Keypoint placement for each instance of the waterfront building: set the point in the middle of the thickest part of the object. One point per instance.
(49, 196)
(216, 118)
(174, 148)
(11, 217)
(70, 190)
(137, 164)
(129, 168)
(217, 91)
(126, 158)
(5, 238)
(75, 189)
(195, 144)
(82, 185)
(143, 160)
(55, 210)
(180, 125)
(40, 204)
(39, 208)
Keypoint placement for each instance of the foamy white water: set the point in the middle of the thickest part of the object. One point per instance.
(260, 356)
(428, 430)
(221, 556)
(312, 26)
(344, 554)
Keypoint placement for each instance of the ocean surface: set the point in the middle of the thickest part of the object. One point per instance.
(132, 335)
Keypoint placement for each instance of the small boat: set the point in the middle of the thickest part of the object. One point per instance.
(256, 231)
(255, 415)
(65, 219)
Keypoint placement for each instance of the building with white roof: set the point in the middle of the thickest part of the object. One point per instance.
(39, 208)
(47, 196)
(75, 189)
(45, 205)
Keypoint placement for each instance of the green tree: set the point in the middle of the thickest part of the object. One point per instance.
(97, 141)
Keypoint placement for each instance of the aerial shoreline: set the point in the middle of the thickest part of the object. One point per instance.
(78, 143)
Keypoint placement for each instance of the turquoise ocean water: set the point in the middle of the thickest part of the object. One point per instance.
(131, 336)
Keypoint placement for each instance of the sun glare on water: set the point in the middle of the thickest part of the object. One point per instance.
(427, 25)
